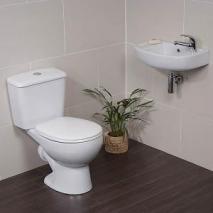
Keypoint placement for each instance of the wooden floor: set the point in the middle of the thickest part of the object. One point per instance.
(143, 181)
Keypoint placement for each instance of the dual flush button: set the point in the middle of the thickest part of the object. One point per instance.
(37, 73)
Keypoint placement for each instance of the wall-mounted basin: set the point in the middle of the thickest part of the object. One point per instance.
(168, 56)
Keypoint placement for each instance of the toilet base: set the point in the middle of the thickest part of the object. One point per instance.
(66, 179)
(70, 180)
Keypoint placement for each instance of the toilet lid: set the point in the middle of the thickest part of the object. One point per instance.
(69, 130)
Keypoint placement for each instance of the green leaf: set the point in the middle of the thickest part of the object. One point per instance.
(115, 115)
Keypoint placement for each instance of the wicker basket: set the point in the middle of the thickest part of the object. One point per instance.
(116, 145)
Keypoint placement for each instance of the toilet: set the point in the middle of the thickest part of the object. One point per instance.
(68, 144)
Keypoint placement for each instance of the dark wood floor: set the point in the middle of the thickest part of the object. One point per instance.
(143, 181)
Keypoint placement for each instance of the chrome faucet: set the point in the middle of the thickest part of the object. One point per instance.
(190, 43)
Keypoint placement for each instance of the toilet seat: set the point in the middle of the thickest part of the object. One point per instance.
(69, 130)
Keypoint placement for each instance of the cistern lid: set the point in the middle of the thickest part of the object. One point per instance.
(69, 130)
(35, 77)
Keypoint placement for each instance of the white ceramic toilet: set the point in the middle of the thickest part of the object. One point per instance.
(68, 144)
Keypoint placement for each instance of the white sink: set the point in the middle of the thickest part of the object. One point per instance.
(167, 56)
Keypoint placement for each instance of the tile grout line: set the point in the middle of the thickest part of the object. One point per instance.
(184, 15)
(87, 102)
(181, 133)
(98, 70)
(64, 55)
(22, 3)
(203, 1)
(126, 50)
(64, 25)
(30, 66)
(77, 52)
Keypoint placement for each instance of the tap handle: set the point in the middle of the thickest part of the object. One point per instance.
(192, 41)
(191, 38)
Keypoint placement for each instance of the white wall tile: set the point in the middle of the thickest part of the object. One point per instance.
(93, 23)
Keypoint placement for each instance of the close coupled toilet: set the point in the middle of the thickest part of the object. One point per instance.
(68, 144)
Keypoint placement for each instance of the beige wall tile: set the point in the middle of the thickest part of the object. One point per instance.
(85, 110)
(163, 130)
(151, 19)
(138, 74)
(197, 140)
(160, 89)
(147, 19)
(112, 68)
(5, 116)
(82, 72)
(197, 92)
(93, 23)
(18, 152)
(198, 22)
(10, 2)
(30, 31)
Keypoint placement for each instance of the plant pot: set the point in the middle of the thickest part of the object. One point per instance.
(116, 145)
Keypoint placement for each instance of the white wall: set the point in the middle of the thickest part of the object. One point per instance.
(182, 123)
(85, 38)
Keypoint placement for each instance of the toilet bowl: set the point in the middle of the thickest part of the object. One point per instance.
(68, 144)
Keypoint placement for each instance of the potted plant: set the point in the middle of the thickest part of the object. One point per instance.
(117, 114)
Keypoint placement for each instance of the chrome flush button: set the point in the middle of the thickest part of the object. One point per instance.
(37, 73)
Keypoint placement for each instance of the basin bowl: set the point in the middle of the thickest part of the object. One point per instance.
(168, 56)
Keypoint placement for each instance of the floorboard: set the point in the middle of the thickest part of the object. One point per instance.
(144, 180)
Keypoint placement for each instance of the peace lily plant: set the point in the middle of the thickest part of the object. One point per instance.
(116, 115)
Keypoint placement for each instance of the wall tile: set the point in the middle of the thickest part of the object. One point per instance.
(163, 130)
(197, 92)
(30, 31)
(10, 2)
(32, 34)
(82, 72)
(5, 116)
(112, 68)
(160, 89)
(138, 74)
(25, 156)
(198, 20)
(93, 23)
(85, 110)
(147, 19)
(197, 140)
(151, 19)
